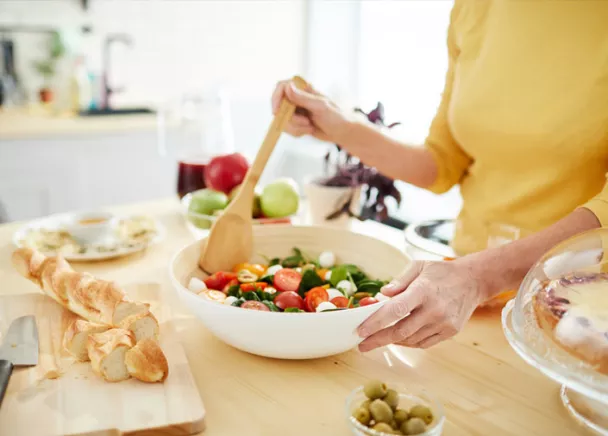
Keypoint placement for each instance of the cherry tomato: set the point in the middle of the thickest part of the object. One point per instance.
(340, 301)
(231, 283)
(367, 301)
(218, 280)
(255, 305)
(248, 287)
(314, 297)
(283, 300)
(253, 268)
(287, 279)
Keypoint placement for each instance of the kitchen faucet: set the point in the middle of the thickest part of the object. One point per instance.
(107, 91)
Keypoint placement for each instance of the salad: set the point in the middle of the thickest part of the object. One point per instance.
(296, 283)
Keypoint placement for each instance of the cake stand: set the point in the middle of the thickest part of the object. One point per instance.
(584, 391)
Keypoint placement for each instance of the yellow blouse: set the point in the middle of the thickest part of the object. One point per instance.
(523, 121)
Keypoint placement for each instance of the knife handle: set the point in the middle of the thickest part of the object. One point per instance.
(6, 369)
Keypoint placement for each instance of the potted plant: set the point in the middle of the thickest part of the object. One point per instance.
(351, 189)
(47, 67)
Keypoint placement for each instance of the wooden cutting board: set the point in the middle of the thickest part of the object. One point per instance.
(80, 403)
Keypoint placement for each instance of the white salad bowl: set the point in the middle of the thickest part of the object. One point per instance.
(290, 335)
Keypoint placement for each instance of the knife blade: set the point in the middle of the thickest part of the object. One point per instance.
(19, 348)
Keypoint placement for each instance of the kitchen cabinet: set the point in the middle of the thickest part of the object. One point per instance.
(45, 176)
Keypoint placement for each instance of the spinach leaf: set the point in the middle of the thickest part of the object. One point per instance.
(234, 291)
(271, 306)
(274, 261)
(238, 302)
(294, 309)
(333, 310)
(310, 279)
(338, 274)
(267, 279)
(295, 260)
(252, 295)
(372, 287)
(265, 296)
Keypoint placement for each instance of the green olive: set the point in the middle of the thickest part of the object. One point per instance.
(362, 415)
(365, 404)
(308, 266)
(391, 398)
(360, 295)
(422, 412)
(381, 411)
(400, 416)
(374, 389)
(413, 426)
(383, 427)
(245, 276)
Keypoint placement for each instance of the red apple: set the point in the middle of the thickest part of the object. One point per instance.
(225, 172)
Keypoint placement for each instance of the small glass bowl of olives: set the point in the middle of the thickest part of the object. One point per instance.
(376, 409)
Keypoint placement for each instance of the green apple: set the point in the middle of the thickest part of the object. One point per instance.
(280, 198)
(256, 201)
(206, 202)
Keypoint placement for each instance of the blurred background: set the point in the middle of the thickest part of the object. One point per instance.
(100, 98)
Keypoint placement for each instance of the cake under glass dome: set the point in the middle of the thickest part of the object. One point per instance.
(558, 323)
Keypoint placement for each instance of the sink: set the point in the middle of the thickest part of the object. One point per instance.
(122, 111)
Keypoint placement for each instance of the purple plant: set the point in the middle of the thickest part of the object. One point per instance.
(349, 172)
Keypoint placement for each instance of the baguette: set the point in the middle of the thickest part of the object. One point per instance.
(76, 337)
(146, 361)
(95, 300)
(112, 323)
(107, 353)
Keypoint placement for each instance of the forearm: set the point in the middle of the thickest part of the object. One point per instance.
(414, 165)
(503, 268)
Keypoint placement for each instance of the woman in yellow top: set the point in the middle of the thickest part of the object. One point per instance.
(522, 127)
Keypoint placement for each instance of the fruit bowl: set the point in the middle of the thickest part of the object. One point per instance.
(584, 391)
(290, 335)
(200, 224)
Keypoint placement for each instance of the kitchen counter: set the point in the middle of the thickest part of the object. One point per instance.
(38, 123)
(486, 389)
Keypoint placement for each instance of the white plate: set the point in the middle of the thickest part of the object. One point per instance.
(54, 222)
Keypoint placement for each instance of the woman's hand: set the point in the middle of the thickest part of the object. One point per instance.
(321, 117)
(439, 298)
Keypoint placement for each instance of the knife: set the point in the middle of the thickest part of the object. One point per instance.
(20, 348)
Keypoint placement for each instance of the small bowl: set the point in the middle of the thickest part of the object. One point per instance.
(200, 224)
(90, 227)
(406, 401)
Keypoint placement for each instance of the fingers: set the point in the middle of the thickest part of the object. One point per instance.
(393, 310)
(423, 333)
(398, 333)
(298, 131)
(433, 340)
(277, 95)
(304, 99)
(399, 284)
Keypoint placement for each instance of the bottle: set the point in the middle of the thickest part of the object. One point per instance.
(80, 87)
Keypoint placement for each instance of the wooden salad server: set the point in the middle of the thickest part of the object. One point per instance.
(230, 239)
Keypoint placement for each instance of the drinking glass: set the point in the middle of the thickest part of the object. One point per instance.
(193, 129)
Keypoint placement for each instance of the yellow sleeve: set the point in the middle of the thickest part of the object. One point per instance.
(452, 162)
(599, 205)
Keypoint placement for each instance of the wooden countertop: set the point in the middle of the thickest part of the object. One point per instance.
(486, 389)
(33, 123)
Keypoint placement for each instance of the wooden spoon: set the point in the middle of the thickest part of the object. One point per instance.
(230, 240)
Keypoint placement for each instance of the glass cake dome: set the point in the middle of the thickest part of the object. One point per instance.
(558, 323)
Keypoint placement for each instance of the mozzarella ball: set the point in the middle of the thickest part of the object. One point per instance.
(333, 293)
(326, 305)
(196, 285)
(270, 290)
(228, 301)
(347, 287)
(272, 270)
(328, 276)
(327, 259)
